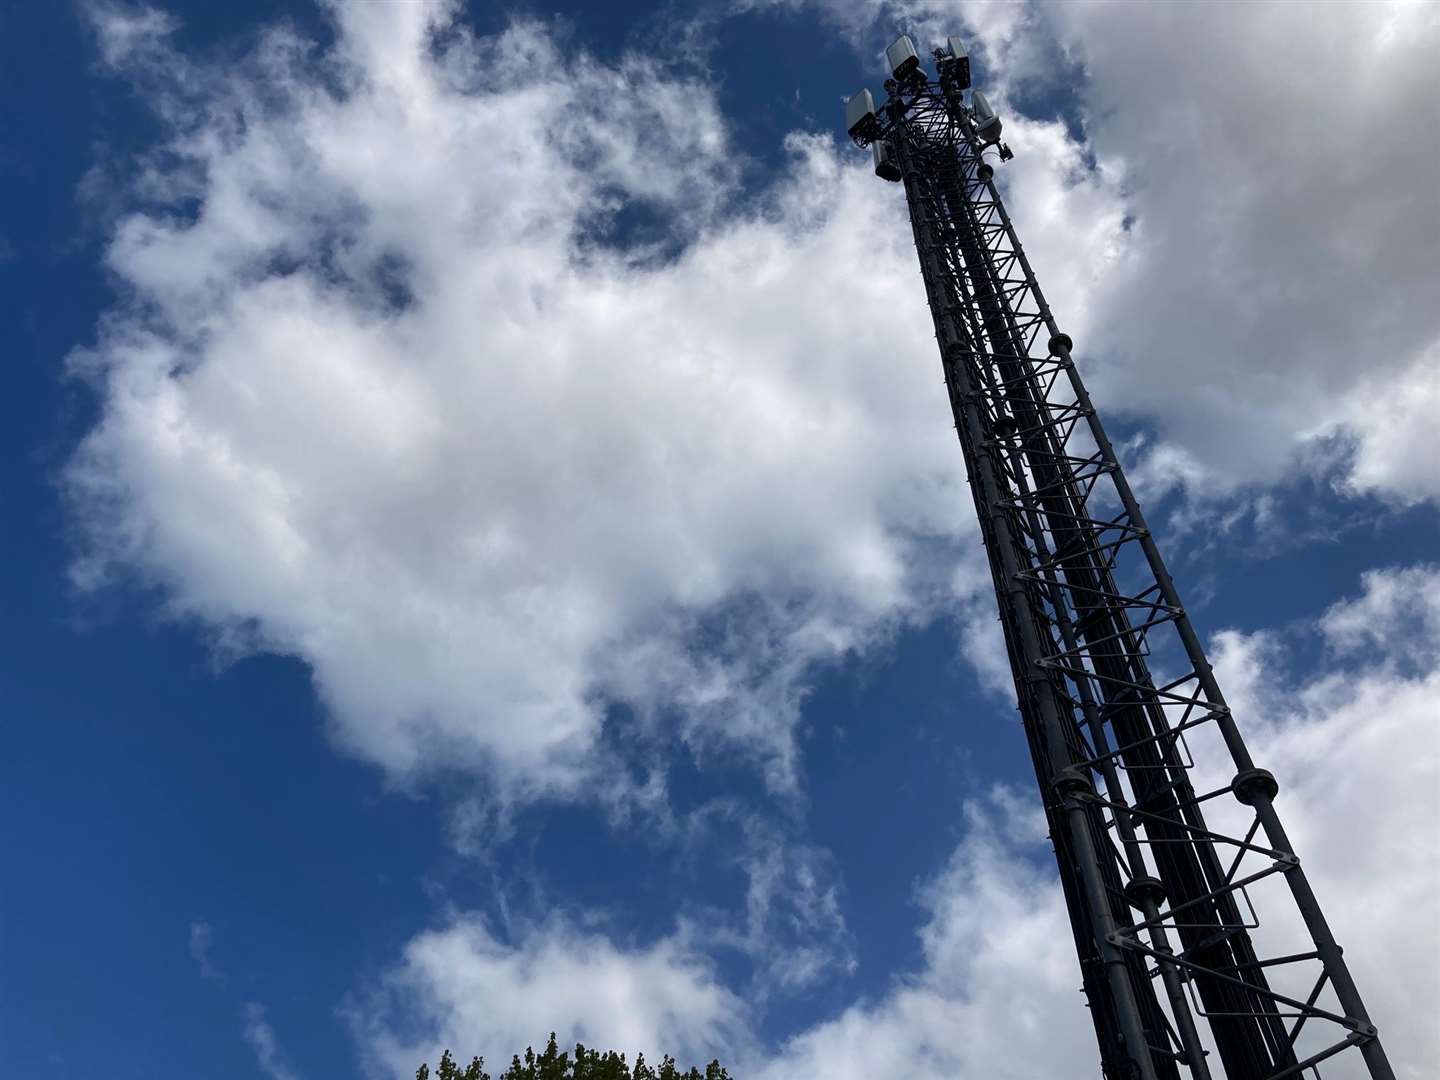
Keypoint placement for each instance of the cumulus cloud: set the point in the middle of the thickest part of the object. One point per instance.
(1397, 616)
(1285, 213)
(399, 389)
(1388, 424)
(1357, 750)
(1281, 213)
(459, 987)
(998, 994)
(401, 382)
(1358, 753)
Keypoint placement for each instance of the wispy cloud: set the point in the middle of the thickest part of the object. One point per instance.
(261, 1037)
(202, 944)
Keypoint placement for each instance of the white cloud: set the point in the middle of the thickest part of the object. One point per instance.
(1390, 423)
(1357, 751)
(1285, 212)
(1397, 616)
(459, 987)
(999, 968)
(202, 943)
(488, 475)
(123, 31)
(1275, 281)
(391, 397)
(792, 929)
(998, 995)
(982, 640)
(261, 1036)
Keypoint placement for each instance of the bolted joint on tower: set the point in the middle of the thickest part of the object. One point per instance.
(1165, 887)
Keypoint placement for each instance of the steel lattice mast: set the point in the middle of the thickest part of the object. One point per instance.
(1178, 971)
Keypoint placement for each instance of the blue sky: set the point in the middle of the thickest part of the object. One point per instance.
(486, 552)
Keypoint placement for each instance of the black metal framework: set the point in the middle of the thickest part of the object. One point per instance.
(1160, 899)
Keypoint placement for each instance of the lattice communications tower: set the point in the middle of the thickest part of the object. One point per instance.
(1165, 831)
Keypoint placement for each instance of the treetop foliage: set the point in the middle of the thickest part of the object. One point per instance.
(584, 1064)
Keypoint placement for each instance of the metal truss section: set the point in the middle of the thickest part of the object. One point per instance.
(1165, 832)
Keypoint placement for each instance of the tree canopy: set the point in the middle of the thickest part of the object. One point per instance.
(583, 1064)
